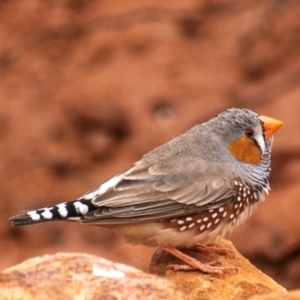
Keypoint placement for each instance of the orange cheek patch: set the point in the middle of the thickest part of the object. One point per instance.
(245, 150)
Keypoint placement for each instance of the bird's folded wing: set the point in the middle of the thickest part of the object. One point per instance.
(157, 192)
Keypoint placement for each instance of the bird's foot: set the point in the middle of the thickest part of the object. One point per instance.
(194, 264)
(209, 248)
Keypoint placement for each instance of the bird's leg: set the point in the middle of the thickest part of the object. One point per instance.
(194, 264)
(208, 248)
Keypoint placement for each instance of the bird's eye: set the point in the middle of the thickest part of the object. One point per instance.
(249, 133)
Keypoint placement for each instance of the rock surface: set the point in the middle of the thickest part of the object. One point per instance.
(294, 295)
(81, 277)
(246, 282)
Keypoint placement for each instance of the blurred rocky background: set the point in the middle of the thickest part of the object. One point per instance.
(88, 87)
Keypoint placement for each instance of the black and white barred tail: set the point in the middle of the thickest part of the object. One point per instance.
(67, 211)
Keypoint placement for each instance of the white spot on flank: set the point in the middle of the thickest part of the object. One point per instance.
(208, 225)
(211, 210)
(236, 206)
(173, 220)
(47, 214)
(238, 198)
(191, 225)
(231, 216)
(199, 221)
(224, 214)
(180, 222)
(189, 219)
(182, 228)
(103, 188)
(202, 227)
(236, 183)
(62, 210)
(205, 219)
(81, 208)
(221, 209)
(217, 221)
(214, 215)
(33, 215)
(244, 195)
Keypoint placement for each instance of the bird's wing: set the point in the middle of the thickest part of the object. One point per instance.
(155, 191)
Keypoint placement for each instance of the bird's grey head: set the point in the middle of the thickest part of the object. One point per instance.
(234, 124)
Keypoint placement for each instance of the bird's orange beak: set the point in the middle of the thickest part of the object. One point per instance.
(270, 125)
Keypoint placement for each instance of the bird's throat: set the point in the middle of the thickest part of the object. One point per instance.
(245, 150)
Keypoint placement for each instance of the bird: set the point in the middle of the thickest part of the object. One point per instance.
(183, 194)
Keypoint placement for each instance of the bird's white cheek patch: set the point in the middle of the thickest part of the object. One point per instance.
(81, 208)
(261, 142)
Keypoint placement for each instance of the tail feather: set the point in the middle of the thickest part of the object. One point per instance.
(67, 211)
